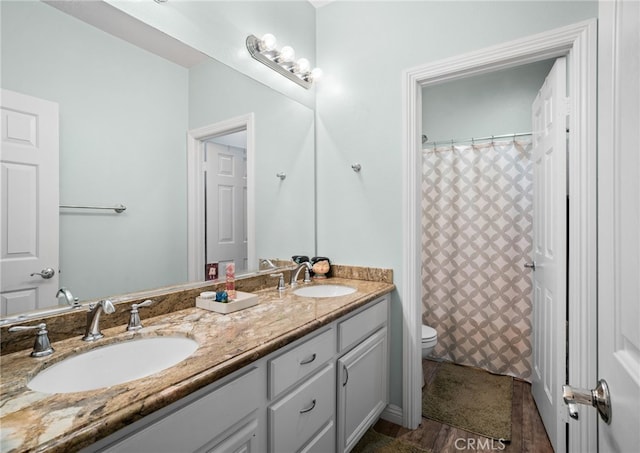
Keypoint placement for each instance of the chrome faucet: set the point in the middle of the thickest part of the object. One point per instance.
(306, 265)
(73, 301)
(266, 263)
(92, 332)
(42, 346)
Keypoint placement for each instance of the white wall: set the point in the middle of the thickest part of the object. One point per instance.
(121, 108)
(363, 47)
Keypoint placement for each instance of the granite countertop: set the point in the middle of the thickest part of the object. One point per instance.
(35, 421)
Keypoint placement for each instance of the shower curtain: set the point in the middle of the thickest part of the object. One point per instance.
(476, 237)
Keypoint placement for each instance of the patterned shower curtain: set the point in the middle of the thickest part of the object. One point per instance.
(476, 236)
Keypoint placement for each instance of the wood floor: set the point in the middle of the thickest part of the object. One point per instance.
(527, 432)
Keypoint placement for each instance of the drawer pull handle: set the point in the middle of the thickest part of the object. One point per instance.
(309, 360)
(310, 408)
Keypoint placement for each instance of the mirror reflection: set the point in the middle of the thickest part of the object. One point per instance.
(124, 115)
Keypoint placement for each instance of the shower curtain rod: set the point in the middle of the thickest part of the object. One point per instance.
(474, 139)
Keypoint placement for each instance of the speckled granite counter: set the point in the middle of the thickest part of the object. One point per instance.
(34, 421)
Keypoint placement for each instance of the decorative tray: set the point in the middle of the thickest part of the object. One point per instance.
(243, 300)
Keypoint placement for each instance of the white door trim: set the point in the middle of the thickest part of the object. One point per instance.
(195, 190)
(578, 42)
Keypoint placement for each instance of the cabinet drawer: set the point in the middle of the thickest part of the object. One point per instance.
(295, 419)
(301, 361)
(196, 424)
(360, 326)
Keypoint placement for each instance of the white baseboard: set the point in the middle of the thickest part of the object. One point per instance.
(393, 414)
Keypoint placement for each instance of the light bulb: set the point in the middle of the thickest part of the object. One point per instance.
(316, 74)
(287, 54)
(267, 43)
(302, 66)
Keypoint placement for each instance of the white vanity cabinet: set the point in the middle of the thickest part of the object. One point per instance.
(362, 373)
(218, 418)
(302, 390)
(318, 394)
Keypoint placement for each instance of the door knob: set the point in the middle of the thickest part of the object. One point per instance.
(531, 265)
(45, 273)
(598, 397)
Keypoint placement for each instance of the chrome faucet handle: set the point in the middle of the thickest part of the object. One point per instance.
(280, 276)
(42, 346)
(307, 276)
(134, 319)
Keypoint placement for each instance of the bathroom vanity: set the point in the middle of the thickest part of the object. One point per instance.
(292, 374)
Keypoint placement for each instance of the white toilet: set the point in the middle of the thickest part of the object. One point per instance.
(429, 340)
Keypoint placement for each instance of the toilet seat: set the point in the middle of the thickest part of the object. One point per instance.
(428, 333)
(429, 336)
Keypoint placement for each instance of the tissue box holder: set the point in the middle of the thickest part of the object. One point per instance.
(243, 300)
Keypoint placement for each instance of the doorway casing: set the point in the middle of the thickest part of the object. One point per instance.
(577, 42)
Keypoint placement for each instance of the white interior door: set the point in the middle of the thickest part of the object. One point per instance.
(226, 205)
(30, 203)
(549, 156)
(619, 222)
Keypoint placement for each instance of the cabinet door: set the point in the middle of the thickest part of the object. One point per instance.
(241, 440)
(362, 388)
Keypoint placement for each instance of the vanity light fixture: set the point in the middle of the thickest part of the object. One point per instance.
(282, 61)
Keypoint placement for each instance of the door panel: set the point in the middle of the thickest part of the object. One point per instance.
(550, 238)
(29, 197)
(619, 222)
(226, 205)
(362, 388)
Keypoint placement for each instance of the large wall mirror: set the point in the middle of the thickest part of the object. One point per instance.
(124, 118)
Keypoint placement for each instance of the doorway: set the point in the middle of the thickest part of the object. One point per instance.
(491, 205)
(228, 149)
(29, 194)
(578, 44)
(225, 189)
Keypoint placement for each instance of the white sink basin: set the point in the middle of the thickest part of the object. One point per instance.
(324, 291)
(113, 364)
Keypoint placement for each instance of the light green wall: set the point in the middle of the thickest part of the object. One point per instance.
(121, 109)
(490, 104)
(284, 142)
(220, 28)
(363, 47)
